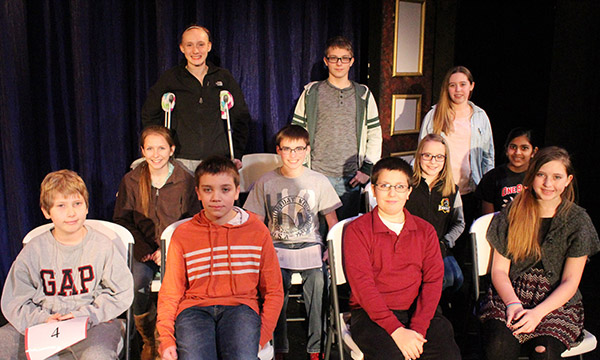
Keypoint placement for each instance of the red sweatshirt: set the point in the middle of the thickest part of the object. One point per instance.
(209, 264)
(389, 272)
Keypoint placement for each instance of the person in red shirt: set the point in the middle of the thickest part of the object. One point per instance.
(395, 270)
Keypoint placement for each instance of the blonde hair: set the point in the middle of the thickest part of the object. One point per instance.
(524, 214)
(444, 112)
(145, 184)
(445, 175)
(65, 182)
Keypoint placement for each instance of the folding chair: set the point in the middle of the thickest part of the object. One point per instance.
(165, 240)
(255, 166)
(369, 198)
(339, 327)
(482, 255)
(122, 239)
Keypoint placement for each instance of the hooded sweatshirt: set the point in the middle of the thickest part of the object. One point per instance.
(210, 264)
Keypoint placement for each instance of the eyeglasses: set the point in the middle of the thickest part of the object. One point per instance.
(438, 157)
(401, 188)
(288, 150)
(335, 59)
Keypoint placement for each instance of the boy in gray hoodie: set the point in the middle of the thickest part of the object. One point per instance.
(69, 271)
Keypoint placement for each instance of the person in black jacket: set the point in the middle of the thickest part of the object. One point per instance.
(435, 198)
(198, 129)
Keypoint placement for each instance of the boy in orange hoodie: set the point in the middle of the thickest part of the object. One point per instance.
(218, 266)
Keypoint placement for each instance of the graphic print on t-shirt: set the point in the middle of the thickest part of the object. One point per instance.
(509, 193)
(292, 216)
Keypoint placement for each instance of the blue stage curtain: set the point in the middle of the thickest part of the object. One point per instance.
(74, 75)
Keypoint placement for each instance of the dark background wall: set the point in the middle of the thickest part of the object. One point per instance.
(535, 65)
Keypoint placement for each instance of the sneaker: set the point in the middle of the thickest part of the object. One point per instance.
(316, 356)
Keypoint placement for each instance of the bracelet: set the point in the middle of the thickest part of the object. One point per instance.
(514, 303)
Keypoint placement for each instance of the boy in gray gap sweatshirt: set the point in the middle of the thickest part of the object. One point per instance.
(69, 271)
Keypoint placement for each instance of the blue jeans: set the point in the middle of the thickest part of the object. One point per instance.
(349, 195)
(313, 284)
(217, 332)
(453, 276)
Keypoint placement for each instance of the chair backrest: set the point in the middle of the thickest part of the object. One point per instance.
(370, 200)
(137, 162)
(168, 233)
(482, 251)
(335, 235)
(165, 240)
(119, 235)
(481, 247)
(36, 232)
(255, 166)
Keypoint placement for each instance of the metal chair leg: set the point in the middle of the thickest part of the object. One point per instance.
(336, 305)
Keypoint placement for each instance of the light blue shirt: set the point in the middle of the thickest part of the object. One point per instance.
(482, 141)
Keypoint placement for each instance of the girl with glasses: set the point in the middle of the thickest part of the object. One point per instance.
(436, 199)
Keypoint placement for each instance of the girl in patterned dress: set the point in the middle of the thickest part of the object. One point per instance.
(541, 243)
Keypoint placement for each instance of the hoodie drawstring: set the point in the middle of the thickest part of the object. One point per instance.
(231, 279)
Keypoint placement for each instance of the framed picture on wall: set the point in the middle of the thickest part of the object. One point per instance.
(406, 114)
(409, 37)
(408, 156)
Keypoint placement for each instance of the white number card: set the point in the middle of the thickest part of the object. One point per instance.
(45, 340)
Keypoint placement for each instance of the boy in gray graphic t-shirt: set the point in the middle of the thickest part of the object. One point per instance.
(291, 199)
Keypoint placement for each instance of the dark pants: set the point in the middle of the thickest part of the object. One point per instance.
(500, 344)
(350, 196)
(143, 274)
(376, 343)
(223, 332)
(462, 249)
(313, 286)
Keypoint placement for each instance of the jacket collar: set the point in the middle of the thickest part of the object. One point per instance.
(178, 174)
(562, 218)
(246, 217)
(476, 109)
(212, 68)
(361, 90)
